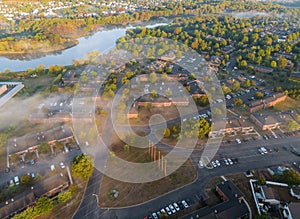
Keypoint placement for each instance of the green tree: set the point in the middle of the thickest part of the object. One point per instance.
(226, 90)
(64, 196)
(289, 176)
(282, 62)
(246, 83)
(243, 64)
(82, 166)
(26, 179)
(261, 180)
(44, 148)
(273, 64)
(235, 86)
(292, 125)
(237, 101)
(58, 145)
(167, 133)
(43, 205)
(259, 95)
(153, 93)
(153, 77)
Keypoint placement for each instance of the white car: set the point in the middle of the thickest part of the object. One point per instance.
(184, 204)
(52, 167)
(62, 165)
(172, 208)
(226, 162)
(201, 164)
(218, 163)
(17, 180)
(154, 215)
(264, 150)
(176, 206)
(238, 141)
(230, 161)
(213, 164)
(168, 211)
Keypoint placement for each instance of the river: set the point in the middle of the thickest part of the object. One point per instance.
(101, 41)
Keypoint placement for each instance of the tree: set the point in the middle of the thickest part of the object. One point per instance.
(204, 128)
(289, 176)
(259, 95)
(273, 64)
(237, 101)
(261, 180)
(153, 93)
(292, 125)
(168, 92)
(43, 205)
(58, 145)
(235, 86)
(226, 90)
(246, 83)
(64, 196)
(44, 148)
(282, 62)
(82, 166)
(167, 133)
(26, 179)
(243, 64)
(153, 77)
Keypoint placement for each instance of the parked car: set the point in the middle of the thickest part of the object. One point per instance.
(172, 208)
(265, 137)
(168, 211)
(230, 161)
(238, 141)
(17, 180)
(62, 165)
(201, 164)
(185, 204)
(176, 206)
(154, 215)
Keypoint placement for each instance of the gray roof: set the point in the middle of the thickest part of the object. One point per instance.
(15, 145)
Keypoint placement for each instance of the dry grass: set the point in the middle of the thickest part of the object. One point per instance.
(135, 193)
(288, 104)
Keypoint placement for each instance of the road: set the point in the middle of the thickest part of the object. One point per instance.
(248, 157)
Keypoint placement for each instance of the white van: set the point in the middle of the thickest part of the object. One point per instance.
(17, 180)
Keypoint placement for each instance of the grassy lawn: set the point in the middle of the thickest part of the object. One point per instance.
(288, 104)
(146, 191)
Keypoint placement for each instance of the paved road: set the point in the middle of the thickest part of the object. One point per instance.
(248, 158)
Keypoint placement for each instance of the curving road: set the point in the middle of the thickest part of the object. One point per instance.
(248, 157)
